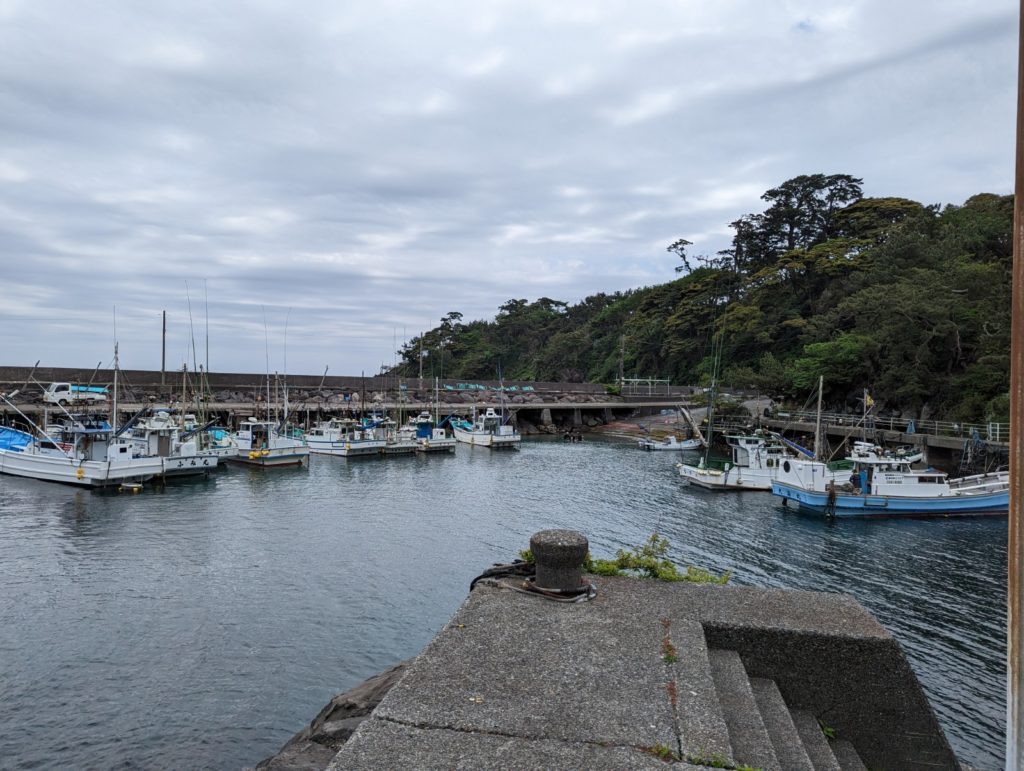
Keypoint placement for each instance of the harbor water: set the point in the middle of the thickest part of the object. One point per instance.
(200, 625)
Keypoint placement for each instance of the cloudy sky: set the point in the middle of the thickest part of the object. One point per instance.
(323, 178)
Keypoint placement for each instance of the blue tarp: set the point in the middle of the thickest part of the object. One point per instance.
(13, 439)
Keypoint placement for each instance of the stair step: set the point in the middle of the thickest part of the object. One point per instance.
(751, 744)
(789, 748)
(847, 756)
(815, 742)
(701, 726)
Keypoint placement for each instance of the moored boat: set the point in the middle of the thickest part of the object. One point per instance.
(344, 437)
(754, 464)
(671, 442)
(488, 430)
(876, 485)
(398, 440)
(429, 437)
(260, 443)
(81, 452)
(160, 435)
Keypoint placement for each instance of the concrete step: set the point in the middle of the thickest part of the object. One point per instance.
(789, 748)
(751, 744)
(815, 742)
(699, 720)
(846, 755)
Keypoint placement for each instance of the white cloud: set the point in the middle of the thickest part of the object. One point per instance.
(643, 108)
(12, 172)
(407, 160)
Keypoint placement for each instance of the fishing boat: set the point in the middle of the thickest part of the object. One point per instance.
(671, 442)
(261, 443)
(83, 452)
(754, 464)
(398, 440)
(160, 435)
(344, 437)
(487, 430)
(873, 485)
(429, 437)
(213, 440)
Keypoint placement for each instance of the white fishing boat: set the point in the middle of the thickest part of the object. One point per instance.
(398, 440)
(261, 443)
(754, 464)
(873, 484)
(212, 440)
(344, 437)
(429, 437)
(671, 442)
(82, 452)
(488, 430)
(160, 435)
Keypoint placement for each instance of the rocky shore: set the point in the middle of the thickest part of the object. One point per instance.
(313, 748)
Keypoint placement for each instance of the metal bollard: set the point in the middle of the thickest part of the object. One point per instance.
(559, 555)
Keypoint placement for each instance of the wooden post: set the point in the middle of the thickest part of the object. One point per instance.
(1015, 547)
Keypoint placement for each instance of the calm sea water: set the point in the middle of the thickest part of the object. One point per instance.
(201, 625)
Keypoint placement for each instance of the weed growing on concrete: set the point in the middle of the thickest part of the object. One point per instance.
(673, 694)
(662, 751)
(714, 760)
(669, 654)
(646, 561)
(828, 730)
(649, 561)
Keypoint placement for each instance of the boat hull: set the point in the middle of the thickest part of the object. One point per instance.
(841, 504)
(487, 439)
(271, 458)
(178, 466)
(53, 468)
(686, 444)
(736, 478)
(436, 445)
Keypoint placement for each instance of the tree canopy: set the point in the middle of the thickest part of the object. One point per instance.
(910, 301)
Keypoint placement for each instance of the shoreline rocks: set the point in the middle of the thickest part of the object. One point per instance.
(313, 748)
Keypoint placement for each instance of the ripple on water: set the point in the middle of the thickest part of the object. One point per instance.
(201, 625)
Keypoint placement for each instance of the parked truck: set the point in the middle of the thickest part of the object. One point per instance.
(69, 393)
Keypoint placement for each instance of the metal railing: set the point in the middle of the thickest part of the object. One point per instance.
(992, 432)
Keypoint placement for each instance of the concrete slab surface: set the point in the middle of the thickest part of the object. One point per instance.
(384, 744)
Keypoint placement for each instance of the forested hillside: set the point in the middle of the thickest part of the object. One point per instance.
(910, 301)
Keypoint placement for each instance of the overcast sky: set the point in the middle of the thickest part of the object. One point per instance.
(352, 171)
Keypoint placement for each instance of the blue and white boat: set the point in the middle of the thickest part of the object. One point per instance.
(879, 485)
(429, 437)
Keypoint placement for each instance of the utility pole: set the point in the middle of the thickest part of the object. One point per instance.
(1015, 547)
(622, 356)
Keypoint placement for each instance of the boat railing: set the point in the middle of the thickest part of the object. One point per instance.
(980, 482)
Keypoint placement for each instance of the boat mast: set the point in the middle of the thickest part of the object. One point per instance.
(716, 361)
(817, 421)
(113, 417)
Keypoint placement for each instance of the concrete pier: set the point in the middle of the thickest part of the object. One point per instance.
(644, 674)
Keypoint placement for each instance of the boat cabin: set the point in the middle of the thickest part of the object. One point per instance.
(756, 451)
